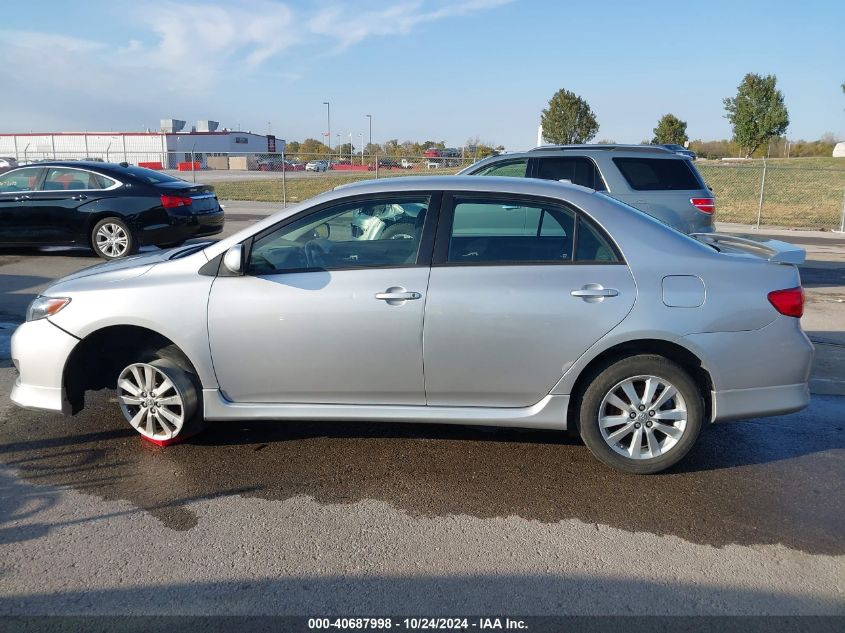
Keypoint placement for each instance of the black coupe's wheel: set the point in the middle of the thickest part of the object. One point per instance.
(112, 239)
(641, 414)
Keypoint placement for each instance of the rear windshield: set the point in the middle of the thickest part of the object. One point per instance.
(149, 176)
(658, 174)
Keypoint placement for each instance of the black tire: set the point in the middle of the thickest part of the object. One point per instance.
(173, 364)
(399, 231)
(614, 373)
(124, 243)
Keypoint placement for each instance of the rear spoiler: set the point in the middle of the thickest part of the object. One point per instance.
(771, 250)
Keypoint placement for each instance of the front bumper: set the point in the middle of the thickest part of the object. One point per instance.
(39, 352)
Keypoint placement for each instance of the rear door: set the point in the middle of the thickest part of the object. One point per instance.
(502, 324)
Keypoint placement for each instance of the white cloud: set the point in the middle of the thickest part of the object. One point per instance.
(181, 51)
(350, 26)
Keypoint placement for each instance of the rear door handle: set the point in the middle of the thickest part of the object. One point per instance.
(397, 295)
(79, 196)
(593, 293)
(21, 198)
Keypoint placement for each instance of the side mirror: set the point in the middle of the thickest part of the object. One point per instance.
(233, 260)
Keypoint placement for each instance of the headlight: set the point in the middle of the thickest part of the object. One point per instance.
(45, 307)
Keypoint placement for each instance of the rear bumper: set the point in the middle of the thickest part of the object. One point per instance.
(39, 352)
(184, 227)
(738, 404)
(756, 373)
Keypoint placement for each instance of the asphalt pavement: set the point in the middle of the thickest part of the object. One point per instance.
(334, 518)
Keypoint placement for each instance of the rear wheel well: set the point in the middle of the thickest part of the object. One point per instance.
(97, 360)
(674, 352)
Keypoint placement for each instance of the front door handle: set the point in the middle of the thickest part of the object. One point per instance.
(22, 198)
(397, 295)
(593, 293)
(79, 196)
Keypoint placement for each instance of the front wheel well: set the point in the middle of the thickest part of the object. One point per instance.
(674, 352)
(98, 359)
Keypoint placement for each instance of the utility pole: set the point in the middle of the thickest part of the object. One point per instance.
(328, 124)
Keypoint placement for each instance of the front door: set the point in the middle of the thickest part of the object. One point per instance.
(327, 313)
(519, 289)
(17, 223)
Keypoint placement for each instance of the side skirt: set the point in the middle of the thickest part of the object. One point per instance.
(549, 413)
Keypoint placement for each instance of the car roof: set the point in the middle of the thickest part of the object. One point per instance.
(487, 184)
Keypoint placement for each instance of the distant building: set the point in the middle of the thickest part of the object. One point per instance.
(839, 150)
(169, 146)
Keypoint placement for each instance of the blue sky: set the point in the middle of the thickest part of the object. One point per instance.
(425, 69)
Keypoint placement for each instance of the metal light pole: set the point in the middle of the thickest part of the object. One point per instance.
(370, 117)
(328, 124)
(339, 157)
(361, 134)
(351, 160)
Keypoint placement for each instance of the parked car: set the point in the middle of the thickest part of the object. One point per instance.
(647, 177)
(113, 208)
(317, 165)
(7, 163)
(539, 305)
(680, 150)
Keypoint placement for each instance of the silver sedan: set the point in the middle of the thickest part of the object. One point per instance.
(499, 301)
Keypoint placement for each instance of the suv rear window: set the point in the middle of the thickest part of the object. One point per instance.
(658, 174)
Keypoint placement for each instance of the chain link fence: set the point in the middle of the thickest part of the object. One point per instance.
(778, 193)
(804, 193)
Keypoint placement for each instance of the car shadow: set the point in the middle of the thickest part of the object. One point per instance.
(755, 482)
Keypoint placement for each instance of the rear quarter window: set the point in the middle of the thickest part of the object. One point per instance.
(658, 174)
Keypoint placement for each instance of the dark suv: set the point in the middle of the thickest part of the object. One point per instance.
(652, 179)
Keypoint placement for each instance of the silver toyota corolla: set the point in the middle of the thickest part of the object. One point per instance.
(501, 301)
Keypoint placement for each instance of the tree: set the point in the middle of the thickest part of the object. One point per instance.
(313, 146)
(568, 119)
(757, 112)
(670, 129)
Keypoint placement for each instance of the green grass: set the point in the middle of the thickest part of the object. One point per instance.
(298, 189)
(800, 192)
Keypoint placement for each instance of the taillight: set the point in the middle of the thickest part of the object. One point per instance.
(789, 302)
(171, 202)
(705, 205)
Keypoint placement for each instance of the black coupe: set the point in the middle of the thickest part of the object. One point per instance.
(113, 208)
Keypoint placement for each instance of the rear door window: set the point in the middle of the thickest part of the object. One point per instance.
(575, 169)
(513, 168)
(60, 179)
(658, 174)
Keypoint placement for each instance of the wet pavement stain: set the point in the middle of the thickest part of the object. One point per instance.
(770, 481)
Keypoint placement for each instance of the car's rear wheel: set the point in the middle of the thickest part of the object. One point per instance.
(112, 239)
(641, 414)
(161, 400)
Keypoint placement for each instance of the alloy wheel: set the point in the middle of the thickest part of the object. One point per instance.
(150, 401)
(112, 240)
(643, 417)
